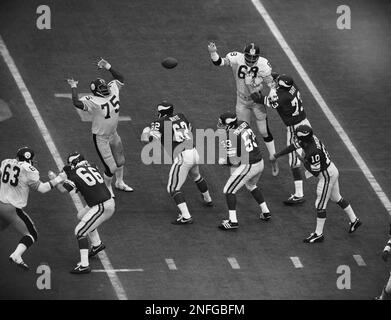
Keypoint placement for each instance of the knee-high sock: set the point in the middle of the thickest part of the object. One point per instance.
(107, 180)
(83, 247)
(320, 221)
(22, 246)
(119, 174)
(345, 205)
(298, 180)
(203, 187)
(258, 196)
(179, 199)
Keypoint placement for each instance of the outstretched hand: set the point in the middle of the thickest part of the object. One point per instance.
(73, 83)
(102, 64)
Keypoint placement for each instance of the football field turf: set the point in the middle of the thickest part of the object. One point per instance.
(153, 258)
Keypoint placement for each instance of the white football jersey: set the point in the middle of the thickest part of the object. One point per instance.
(104, 110)
(260, 70)
(16, 179)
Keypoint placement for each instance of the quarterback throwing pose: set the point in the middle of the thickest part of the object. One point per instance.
(176, 130)
(85, 178)
(18, 176)
(250, 71)
(104, 106)
(285, 98)
(317, 161)
(245, 159)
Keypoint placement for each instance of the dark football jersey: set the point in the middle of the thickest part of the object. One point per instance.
(316, 157)
(241, 144)
(89, 183)
(288, 105)
(175, 133)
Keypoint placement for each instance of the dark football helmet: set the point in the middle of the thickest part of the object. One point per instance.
(251, 54)
(74, 158)
(304, 133)
(284, 81)
(227, 120)
(165, 109)
(99, 88)
(25, 154)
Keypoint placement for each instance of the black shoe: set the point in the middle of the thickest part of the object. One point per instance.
(265, 216)
(313, 237)
(21, 264)
(79, 269)
(353, 226)
(228, 225)
(293, 200)
(95, 250)
(181, 220)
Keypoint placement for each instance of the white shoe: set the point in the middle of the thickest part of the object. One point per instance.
(123, 187)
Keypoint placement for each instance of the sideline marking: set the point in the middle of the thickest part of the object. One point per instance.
(296, 262)
(171, 264)
(115, 282)
(323, 105)
(360, 261)
(233, 262)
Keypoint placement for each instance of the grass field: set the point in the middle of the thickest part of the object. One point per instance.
(348, 67)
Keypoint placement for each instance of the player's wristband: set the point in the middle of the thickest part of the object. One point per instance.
(55, 181)
(108, 66)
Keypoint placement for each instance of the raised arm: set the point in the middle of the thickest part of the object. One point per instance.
(75, 97)
(104, 64)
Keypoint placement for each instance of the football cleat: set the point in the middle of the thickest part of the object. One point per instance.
(383, 296)
(353, 226)
(123, 187)
(95, 250)
(182, 220)
(313, 237)
(206, 203)
(266, 216)
(79, 269)
(275, 169)
(228, 225)
(19, 263)
(294, 200)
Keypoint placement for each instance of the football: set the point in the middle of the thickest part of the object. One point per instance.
(169, 63)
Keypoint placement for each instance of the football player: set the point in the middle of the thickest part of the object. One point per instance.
(250, 71)
(244, 157)
(104, 106)
(85, 178)
(285, 98)
(185, 156)
(317, 162)
(386, 292)
(18, 176)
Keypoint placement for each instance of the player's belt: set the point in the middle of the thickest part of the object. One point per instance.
(243, 96)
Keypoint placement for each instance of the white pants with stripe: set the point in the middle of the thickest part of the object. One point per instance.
(328, 187)
(245, 174)
(110, 151)
(94, 217)
(294, 161)
(185, 163)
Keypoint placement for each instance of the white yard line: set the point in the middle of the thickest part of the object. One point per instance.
(325, 108)
(116, 283)
(296, 262)
(233, 262)
(171, 264)
(117, 270)
(359, 260)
